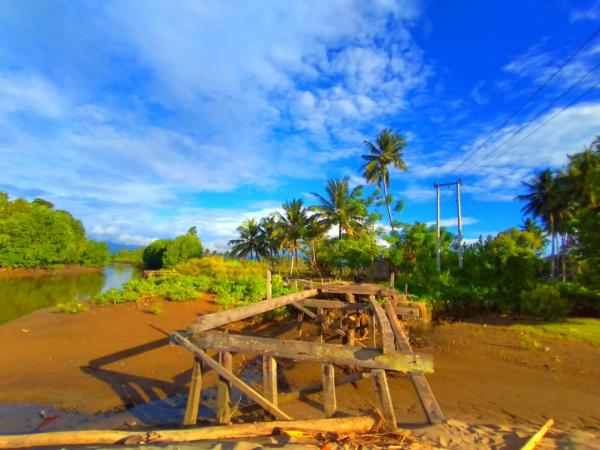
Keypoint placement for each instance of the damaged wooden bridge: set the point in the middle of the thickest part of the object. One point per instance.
(342, 311)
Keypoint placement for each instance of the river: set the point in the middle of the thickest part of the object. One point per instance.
(22, 295)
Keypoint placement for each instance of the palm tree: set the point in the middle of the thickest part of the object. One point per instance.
(250, 241)
(270, 237)
(578, 181)
(315, 231)
(342, 207)
(387, 149)
(542, 199)
(292, 227)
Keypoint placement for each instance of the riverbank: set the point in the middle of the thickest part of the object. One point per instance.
(117, 356)
(70, 269)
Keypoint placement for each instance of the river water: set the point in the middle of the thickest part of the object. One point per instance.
(22, 295)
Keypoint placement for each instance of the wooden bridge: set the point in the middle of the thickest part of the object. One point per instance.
(340, 310)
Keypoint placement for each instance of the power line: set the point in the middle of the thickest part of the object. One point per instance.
(530, 98)
(564, 108)
(538, 115)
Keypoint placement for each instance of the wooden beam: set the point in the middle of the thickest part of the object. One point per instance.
(224, 390)
(319, 319)
(215, 320)
(382, 390)
(329, 400)
(385, 329)
(340, 355)
(371, 328)
(333, 304)
(235, 381)
(428, 401)
(193, 402)
(59, 439)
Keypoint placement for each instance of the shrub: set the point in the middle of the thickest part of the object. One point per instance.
(544, 301)
(156, 308)
(72, 307)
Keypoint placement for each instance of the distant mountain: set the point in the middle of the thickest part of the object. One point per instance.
(114, 247)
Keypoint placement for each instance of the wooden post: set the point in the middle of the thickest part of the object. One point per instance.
(329, 400)
(382, 390)
(224, 390)
(270, 380)
(299, 321)
(350, 298)
(392, 279)
(193, 402)
(351, 336)
(371, 328)
(269, 286)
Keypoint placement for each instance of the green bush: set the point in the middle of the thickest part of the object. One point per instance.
(544, 301)
(72, 307)
(581, 299)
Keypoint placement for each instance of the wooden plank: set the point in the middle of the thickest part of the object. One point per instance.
(350, 297)
(319, 319)
(224, 390)
(340, 355)
(61, 439)
(235, 381)
(428, 401)
(382, 390)
(411, 312)
(306, 311)
(215, 320)
(333, 304)
(385, 329)
(329, 400)
(269, 286)
(193, 402)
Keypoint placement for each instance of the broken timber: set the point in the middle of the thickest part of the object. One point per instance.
(362, 307)
(340, 355)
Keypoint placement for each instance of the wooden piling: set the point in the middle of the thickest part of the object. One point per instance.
(193, 402)
(329, 399)
(224, 390)
(382, 391)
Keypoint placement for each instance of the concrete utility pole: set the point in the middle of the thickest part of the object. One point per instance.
(439, 248)
(438, 222)
(460, 239)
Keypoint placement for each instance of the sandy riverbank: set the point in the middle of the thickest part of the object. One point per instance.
(118, 356)
(71, 269)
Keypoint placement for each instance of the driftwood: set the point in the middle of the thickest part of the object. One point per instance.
(340, 355)
(112, 437)
(537, 437)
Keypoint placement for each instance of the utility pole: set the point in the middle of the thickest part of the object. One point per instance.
(456, 183)
(438, 241)
(460, 239)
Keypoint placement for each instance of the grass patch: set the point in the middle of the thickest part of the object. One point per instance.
(579, 329)
(72, 307)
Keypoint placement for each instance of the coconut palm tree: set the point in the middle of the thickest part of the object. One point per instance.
(270, 237)
(387, 150)
(292, 227)
(342, 207)
(541, 202)
(250, 241)
(315, 232)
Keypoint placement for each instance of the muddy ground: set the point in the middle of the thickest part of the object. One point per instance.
(116, 357)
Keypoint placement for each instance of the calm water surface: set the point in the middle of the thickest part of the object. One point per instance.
(20, 296)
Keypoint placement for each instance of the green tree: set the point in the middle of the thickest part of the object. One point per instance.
(342, 207)
(250, 241)
(181, 249)
(292, 227)
(387, 150)
(154, 253)
(95, 254)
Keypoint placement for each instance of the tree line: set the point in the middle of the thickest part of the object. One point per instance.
(34, 234)
(341, 234)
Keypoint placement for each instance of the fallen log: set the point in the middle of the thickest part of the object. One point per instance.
(360, 424)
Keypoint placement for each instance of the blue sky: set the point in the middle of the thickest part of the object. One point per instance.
(145, 118)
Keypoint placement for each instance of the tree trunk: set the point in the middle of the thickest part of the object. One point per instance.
(340, 248)
(387, 204)
(563, 251)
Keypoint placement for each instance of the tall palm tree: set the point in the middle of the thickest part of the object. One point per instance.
(541, 201)
(387, 150)
(579, 180)
(342, 207)
(270, 237)
(250, 241)
(292, 227)
(315, 231)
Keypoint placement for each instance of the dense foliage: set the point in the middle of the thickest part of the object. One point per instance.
(235, 282)
(34, 234)
(165, 253)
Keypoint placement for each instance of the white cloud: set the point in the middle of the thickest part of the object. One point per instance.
(452, 221)
(591, 14)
